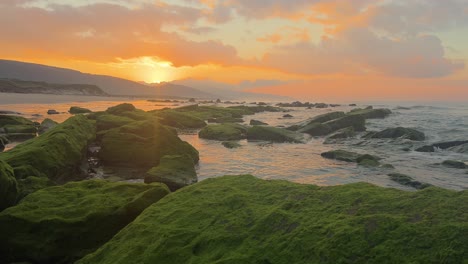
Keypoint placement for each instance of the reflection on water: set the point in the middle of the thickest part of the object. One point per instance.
(302, 163)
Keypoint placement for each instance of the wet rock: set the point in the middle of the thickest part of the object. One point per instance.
(321, 105)
(441, 145)
(74, 110)
(342, 155)
(295, 104)
(61, 224)
(460, 148)
(179, 119)
(223, 132)
(8, 186)
(3, 142)
(46, 124)
(343, 133)
(404, 179)
(52, 112)
(287, 116)
(227, 119)
(176, 171)
(317, 119)
(370, 113)
(254, 122)
(231, 144)
(454, 164)
(273, 134)
(352, 105)
(400, 132)
(121, 108)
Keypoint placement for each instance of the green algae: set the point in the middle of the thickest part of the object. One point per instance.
(74, 110)
(8, 186)
(176, 171)
(181, 120)
(223, 132)
(55, 154)
(404, 179)
(118, 109)
(109, 121)
(63, 223)
(273, 134)
(241, 219)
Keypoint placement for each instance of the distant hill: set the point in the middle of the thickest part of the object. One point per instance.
(110, 85)
(32, 87)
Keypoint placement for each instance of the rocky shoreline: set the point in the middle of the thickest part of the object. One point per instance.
(47, 180)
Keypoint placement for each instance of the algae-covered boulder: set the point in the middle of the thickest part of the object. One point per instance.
(241, 219)
(454, 164)
(342, 155)
(3, 142)
(17, 127)
(142, 144)
(400, 132)
(228, 131)
(46, 124)
(274, 134)
(31, 184)
(63, 223)
(118, 109)
(74, 110)
(321, 129)
(8, 186)
(108, 121)
(180, 119)
(370, 113)
(14, 120)
(316, 119)
(55, 154)
(404, 179)
(254, 122)
(231, 144)
(340, 134)
(176, 171)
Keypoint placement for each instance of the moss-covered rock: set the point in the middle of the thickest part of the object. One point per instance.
(370, 113)
(14, 120)
(108, 121)
(400, 132)
(46, 124)
(231, 144)
(274, 134)
(63, 223)
(340, 134)
(454, 164)
(228, 131)
(180, 119)
(207, 112)
(342, 155)
(3, 142)
(241, 219)
(228, 119)
(316, 119)
(74, 110)
(8, 186)
(119, 109)
(31, 184)
(254, 122)
(404, 179)
(142, 144)
(176, 171)
(55, 154)
(320, 129)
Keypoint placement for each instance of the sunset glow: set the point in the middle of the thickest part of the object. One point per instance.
(412, 50)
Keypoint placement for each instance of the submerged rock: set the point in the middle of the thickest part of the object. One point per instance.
(223, 132)
(254, 122)
(62, 224)
(408, 181)
(176, 171)
(242, 219)
(454, 164)
(273, 134)
(8, 186)
(231, 144)
(74, 110)
(399, 132)
(342, 155)
(442, 145)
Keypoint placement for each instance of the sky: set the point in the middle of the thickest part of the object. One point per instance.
(312, 49)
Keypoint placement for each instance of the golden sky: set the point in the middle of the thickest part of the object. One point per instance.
(369, 49)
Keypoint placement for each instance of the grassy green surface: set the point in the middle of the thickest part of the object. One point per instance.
(242, 219)
(8, 186)
(55, 154)
(61, 224)
(176, 171)
(181, 120)
(78, 110)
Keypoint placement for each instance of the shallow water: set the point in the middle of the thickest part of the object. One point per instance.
(302, 163)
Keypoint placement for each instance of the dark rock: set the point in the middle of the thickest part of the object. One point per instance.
(321, 105)
(287, 116)
(46, 124)
(352, 105)
(176, 171)
(52, 112)
(408, 181)
(343, 133)
(399, 132)
(8, 186)
(228, 131)
(273, 134)
(254, 122)
(342, 155)
(441, 145)
(454, 164)
(74, 110)
(231, 144)
(369, 113)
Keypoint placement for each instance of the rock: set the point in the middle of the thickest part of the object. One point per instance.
(179, 119)
(342, 155)
(8, 186)
(218, 101)
(369, 113)
(408, 181)
(460, 148)
(295, 104)
(454, 164)
(74, 110)
(176, 171)
(3, 142)
(399, 132)
(229, 119)
(273, 134)
(334, 105)
(352, 105)
(142, 144)
(191, 100)
(52, 112)
(387, 166)
(254, 122)
(368, 160)
(56, 155)
(121, 108)
(223, 132)
(342, 133)
(109, 121)
(15, 121)
(441, 145)
(262, 103)
(61, 224)
(243, 219)
(32, 184)
(231, 144)
(317, 119)
(7, 112)
(317, 129)
(321, 105)
(287, 116)
(46, 124)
